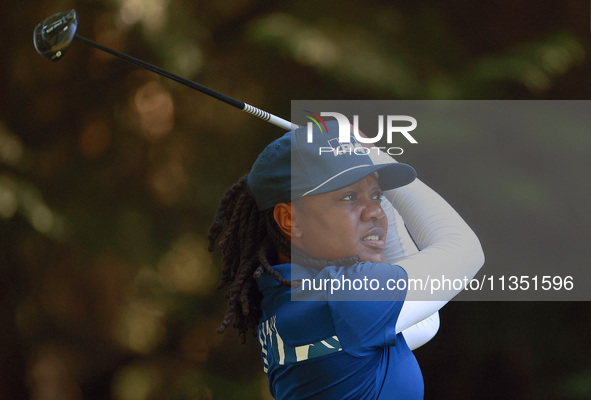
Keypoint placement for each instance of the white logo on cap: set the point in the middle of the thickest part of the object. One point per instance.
(349, 147)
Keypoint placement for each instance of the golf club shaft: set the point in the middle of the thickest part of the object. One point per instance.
(280, 122)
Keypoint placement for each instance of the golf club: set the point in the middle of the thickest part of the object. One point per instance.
(52, 38)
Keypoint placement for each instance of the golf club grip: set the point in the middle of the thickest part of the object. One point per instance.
(273, 119)
(193, 85)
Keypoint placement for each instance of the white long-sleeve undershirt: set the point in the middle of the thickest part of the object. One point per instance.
(448, 246)
(400, 245)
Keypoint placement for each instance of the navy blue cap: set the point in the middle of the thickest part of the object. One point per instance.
(290, 167)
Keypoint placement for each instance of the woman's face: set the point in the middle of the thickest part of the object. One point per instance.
(343, 223)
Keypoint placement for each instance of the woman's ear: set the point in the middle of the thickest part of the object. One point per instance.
(283, 216)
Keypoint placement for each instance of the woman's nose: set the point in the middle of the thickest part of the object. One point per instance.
(372, 209)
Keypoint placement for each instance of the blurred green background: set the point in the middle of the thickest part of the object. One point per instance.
(110, 175)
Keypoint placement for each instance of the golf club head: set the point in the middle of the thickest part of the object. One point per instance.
(52, 36)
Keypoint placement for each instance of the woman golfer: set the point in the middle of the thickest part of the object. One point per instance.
(316, 261)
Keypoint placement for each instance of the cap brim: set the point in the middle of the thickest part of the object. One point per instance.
(390, 176)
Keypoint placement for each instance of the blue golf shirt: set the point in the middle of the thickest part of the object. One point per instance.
(322, 343)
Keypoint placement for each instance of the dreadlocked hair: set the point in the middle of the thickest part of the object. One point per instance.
(251, 243)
